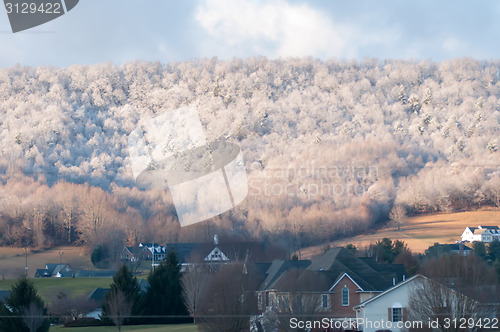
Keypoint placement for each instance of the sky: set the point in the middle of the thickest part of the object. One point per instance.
(119, 31)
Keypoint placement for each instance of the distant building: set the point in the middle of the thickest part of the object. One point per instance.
(453, 248)
(481, 234)
(54, 270)
(196, 253)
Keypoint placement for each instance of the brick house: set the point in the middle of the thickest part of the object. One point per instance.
(330, 286)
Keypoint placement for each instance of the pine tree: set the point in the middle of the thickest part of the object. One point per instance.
(23, 310)
(164, 295)
(124, 282)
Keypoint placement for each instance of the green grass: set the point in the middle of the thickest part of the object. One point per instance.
(49, 287)
(137, 328)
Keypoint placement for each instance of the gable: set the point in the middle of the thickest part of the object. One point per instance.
(398, 293)
(345, 278)
(216, 255)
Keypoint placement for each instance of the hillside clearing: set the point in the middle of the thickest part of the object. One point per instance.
(422, 231)
(13, 261)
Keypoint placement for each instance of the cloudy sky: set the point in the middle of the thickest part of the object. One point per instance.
(166, 30)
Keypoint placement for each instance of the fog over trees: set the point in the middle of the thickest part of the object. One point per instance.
(330, 147)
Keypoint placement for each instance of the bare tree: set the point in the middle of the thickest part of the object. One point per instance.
(119, 308)
(4, 272)
(432, 301)
(493, 190)
(398, 215)
(195, 281)
(229, 301)
(34, 317)
(69, 307)
(455, 287)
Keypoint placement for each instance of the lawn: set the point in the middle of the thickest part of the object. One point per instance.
(421, 231)
(48, 287)
(137, 328)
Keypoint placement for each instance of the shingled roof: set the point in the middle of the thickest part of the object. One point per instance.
(323, 273)
(278, 266)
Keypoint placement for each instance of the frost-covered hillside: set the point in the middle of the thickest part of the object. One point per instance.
(325, 143)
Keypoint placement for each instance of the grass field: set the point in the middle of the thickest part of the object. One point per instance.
(138, 328)
(48, 287)
(422, 231)
(13, 260)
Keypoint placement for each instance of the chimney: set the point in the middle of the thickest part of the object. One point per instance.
(216, 239)
(394, 281)
(404, 277)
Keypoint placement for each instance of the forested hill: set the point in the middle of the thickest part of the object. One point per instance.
(329, 146)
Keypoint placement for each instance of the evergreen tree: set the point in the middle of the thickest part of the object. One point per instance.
(164, 295)
(23, 311)
(124, 282)
(479, 249)
(494, 250)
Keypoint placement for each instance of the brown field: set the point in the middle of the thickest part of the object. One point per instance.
(421, 231)
(12, 260)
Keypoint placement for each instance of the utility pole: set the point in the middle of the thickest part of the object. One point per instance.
(153, 264)
(26, 257)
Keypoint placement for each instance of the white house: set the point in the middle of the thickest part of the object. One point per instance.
(387, 310)
(481, 234)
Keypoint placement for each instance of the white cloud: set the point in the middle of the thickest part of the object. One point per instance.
(276, 28)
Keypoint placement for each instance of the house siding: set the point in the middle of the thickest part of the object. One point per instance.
(381, 309)
(336, 308)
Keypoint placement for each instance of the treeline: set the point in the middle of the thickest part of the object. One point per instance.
(40, 216)
(329, 146)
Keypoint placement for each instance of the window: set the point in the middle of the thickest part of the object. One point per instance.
(397, 314)
(345, 296)
(324, 301)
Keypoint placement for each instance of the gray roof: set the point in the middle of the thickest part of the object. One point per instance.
(278, 266)
(42, 273)
(98, 294)
(55, 268)
(67, 274)
(324, 272)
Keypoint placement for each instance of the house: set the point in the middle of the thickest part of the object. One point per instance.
(453, 248)
(391, 309)
(97, 297)
(54, 270)
(387, 310)
(481, 234)
(134, 254)
(212, 254)
(272, 273)
(156, 252)
(332, 285)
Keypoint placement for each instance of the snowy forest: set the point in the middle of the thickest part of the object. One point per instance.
(329, 146)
